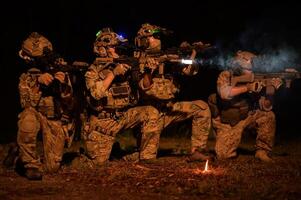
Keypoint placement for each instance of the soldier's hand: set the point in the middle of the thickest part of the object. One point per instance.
(199, 43)
(276, 82)
(60, 61)
(45, 78)
(184, 44)
(190, 70)
(152, 63)
(60, 76)
(120, 69)
(254, 86)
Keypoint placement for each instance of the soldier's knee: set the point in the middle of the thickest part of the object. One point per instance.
(152, 122)
(153, 113)
(94, 136)
(201, 104)
(98, 145)
(28, 122)
(203, 108)
(267, 117)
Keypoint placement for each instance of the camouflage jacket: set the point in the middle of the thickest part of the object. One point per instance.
(163, 85)
(224, 88)
(32, 94)
(117, 96)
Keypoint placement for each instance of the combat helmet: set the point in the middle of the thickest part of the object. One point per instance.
(35, 45)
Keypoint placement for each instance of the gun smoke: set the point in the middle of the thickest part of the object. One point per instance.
(275, 61)
(270, 61)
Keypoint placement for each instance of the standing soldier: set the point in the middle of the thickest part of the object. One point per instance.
(239, 106)
(46, 99)
(110, 98)
(159, 89)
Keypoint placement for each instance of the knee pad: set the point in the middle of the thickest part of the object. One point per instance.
(28, 123)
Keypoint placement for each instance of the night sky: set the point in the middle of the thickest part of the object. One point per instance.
(71, 27)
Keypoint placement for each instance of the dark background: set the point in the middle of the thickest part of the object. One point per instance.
(71, 27)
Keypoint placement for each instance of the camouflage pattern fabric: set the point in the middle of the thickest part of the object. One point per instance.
(229, 137)
(200, 114)
(30, 123)
(38, 115)
(101, 134)
(161, 90)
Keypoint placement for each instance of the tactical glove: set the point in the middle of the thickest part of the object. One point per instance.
(120, 69)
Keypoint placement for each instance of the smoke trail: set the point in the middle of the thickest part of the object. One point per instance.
(265, 39)
(276, 60)
(269, 61)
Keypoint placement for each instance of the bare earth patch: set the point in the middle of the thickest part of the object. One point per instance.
(171, 177)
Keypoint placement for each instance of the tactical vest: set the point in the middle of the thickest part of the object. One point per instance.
(234, 110)
(47, 103)
(230, 111)
(119, 96)
(162, 89)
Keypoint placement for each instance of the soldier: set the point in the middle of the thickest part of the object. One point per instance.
(46, 99)
(239, 106)
(110, 99)
(159, 89)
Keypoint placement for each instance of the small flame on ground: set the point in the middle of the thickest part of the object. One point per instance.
(206, 166)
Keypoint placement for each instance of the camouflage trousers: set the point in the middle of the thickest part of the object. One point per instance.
(101, 135)
(228, 138)
(200, 114)
(29, 124)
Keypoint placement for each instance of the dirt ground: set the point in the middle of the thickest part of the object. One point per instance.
(170, 177)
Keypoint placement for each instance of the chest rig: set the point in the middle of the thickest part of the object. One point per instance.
(45, 104)
(118, 96)
(163, 86)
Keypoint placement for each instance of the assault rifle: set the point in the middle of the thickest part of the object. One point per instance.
(62, 66)
(265, 79)
(74, 106)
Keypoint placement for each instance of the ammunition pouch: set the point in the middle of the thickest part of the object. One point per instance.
(162, 88)
(105, 115)
(119, 96)
(47, 107)
(120, 91)
(234, 111)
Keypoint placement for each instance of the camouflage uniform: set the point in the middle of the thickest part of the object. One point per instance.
(161, 92)
(229, 137)
(162, 89)
(40, 114)
(200, 114)
(110, 115)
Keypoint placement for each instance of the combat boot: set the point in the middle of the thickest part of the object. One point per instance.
(263, 156)
(33, 174)
(12, 155)
(134, 157)
(199, 155)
